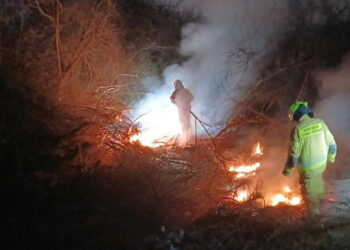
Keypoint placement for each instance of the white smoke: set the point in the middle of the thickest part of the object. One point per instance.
(223, 52)
(334, 101)
(333, 107)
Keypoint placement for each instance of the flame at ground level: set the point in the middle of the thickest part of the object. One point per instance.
(158, 126)
(281, 198)
(287, 197)
(245, 168)
(258, 150)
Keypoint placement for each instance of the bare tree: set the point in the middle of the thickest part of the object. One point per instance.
(86, 47)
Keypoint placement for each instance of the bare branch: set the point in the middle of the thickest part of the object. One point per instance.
(58, 37)
(84, 45)
(42, 12)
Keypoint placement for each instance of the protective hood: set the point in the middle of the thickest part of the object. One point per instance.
(178, 85)
(302, 110)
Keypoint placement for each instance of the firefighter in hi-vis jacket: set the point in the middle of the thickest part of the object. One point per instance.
(313, 145)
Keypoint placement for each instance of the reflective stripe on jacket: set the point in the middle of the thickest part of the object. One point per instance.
(312, 144)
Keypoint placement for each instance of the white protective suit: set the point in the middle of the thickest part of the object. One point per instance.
(182, 98)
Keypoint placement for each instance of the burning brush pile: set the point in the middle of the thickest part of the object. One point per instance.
(201, 173)
(245, 171)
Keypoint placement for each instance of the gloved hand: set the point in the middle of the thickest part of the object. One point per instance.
(287, 171)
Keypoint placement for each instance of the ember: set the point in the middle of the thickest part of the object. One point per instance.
(331, 199)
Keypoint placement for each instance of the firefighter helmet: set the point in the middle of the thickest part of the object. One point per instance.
(298, 109)
(296, 105)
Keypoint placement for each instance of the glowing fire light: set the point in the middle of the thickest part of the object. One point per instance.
(287, 199)
(241, 196)
(240, 175)
(159, 125)
(245, 171)
(295, 201)
(280, 198)
(245, 168)
(331, 199)
(287, 190)
(257, 151)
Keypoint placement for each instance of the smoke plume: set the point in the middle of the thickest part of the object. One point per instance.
(333, 105)
(334, 93)
(223, 51)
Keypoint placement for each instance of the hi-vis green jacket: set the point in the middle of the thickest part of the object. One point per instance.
(312, 144)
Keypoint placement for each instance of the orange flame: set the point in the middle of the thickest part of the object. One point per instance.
(245, 168)
(240, 175)
(160, 125)
(245, 171)
(287, 198)
(258, 150)
(241, 196)
(287, 190)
